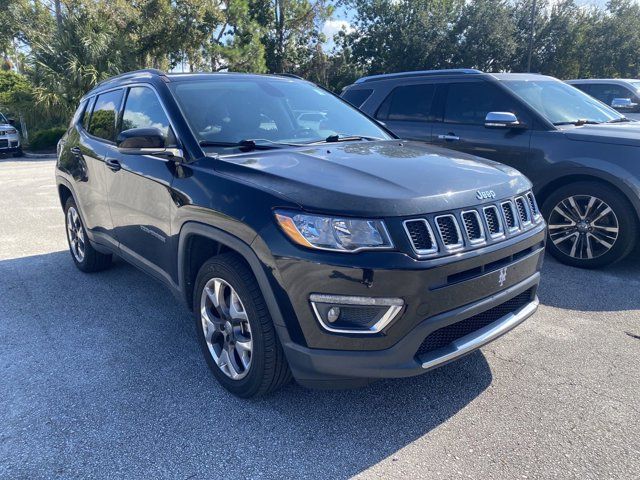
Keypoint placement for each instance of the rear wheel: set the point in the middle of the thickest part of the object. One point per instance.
(235, 330)
(590, 225)
(86, 258)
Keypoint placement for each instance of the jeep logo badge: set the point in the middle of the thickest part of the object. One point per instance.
(485, 194)
(503, 276)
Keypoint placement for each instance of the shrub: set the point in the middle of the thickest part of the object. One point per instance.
(46, 139)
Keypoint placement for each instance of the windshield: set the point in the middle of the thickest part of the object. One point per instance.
(636, 85)
(275, 110)
(561, 103)
(3, 119)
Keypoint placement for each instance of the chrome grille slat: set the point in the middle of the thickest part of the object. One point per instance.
(535, 211)
(421, 236)
(494, 222)
(509, 216)
(473, 226)
(449, 231)
(523, 211)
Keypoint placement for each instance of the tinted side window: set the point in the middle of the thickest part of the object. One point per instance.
(606, 92)
(469, 102)
(86, 116)
(105, 115)
(408, 103)
(357, 97)
(585, 87)
(144, 110)
(78, 115)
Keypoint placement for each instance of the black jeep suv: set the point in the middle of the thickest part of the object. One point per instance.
(304, 236)
(582, 156)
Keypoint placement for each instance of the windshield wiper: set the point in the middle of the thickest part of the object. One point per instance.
(578, 123)
(247, 145)
(618, 120)
(348, 138)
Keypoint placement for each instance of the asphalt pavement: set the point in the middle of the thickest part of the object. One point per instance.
(101, 377)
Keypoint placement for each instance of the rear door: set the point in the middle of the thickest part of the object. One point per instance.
(406, 111)
(462, 107)
(139, 188)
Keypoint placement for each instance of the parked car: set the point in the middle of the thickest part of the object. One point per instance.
(9, 138)
(318, 246)
(622, 95)
(581, 155)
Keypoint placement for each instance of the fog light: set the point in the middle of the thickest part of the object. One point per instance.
(333, 314)
(351, 314)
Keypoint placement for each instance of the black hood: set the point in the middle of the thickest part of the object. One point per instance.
(385, 178)
(611, 133)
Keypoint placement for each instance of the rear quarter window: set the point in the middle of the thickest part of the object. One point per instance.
(409, 103)
(357, 97)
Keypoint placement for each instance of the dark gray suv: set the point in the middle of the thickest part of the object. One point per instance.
(582, 156)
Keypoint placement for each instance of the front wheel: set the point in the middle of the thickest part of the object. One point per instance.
(590, 225)
(235, 330)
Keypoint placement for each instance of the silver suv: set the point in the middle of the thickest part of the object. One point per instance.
(621, 94)
(9, 138)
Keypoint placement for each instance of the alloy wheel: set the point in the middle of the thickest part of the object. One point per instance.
(583, 227)
(75, 233)
(226, 328)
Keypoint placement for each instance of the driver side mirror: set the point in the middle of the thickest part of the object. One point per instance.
(145, 141)
(12, 121)
(502, 120)
(623, 103)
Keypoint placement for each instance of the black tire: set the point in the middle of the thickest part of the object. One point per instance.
(91, 260)
(624, 215)
(268, 369)
(19, 153)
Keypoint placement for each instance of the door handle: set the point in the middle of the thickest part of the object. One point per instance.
(113, 164)
(449, 137)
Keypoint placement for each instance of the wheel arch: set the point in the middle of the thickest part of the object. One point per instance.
(542, 193)
(198, 242)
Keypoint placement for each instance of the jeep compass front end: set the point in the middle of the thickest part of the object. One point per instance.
(305, 237)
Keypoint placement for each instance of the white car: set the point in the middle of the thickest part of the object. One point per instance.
(9, 138)
(619, 93)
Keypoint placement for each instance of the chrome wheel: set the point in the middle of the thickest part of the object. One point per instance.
(75, 234)
(226, 328)
(583, 227)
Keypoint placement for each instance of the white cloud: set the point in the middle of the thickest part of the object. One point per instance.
(331, 28)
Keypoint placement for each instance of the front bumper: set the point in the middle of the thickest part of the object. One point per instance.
(9, 143)
(437, 294)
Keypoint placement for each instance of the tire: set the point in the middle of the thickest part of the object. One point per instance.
(19, 153)
(264, 368)
(600, 236)
(86, 258)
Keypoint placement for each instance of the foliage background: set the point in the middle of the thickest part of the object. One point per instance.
(53, 51)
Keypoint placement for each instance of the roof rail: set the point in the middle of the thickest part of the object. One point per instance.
(150, 71)
(290, 75)
(420, 73)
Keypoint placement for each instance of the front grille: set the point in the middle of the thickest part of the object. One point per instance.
(493, 220)
(4, 143)
(420, 234)
(449, 231)
(472, 225)
(523, 212)
(446, 335)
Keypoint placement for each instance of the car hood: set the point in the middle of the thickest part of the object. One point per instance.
(5, 126)
(611, 133)
(385, 178)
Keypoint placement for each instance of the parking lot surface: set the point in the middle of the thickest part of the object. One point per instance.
(101, 377)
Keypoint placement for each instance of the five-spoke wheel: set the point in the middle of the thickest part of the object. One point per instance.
(226, 328)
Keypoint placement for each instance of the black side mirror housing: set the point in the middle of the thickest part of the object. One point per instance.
(11, 121)
(141, 138)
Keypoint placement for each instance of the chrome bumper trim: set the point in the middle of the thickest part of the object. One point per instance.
(481, 337)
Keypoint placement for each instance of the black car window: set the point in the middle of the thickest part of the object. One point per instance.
(105, 115)
(86, 116)
(357, 97)
(469, 102)
(144, 110)
(606, 92)
(408, 103)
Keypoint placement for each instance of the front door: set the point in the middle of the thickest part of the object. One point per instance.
(139, 189)
(465, 105)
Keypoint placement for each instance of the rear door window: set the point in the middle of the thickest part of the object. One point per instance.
(409, 103)
(105, 115)
(357, 97)
(468, 103)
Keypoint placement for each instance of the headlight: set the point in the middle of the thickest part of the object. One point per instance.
(333, 233)
(12, 131)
